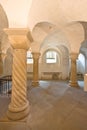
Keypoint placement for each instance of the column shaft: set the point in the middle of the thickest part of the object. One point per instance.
(85, 82)
(1, 65)
(35, 81)
(19, 79)
(73, 76)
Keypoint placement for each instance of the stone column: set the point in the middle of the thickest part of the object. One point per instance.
(1, 64)
(35, 81)
(73, 75)
(85, 82)
(19, 106)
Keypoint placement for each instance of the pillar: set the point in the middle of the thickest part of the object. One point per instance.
(35, 81)
(19, 105)
(1, 64)
(73, 75)
(85, 82)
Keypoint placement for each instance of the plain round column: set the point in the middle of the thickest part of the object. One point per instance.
(73, 75)
(35, 81)
(1, 64)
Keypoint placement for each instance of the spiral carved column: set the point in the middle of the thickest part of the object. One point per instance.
(73, 76)
(19, 106)
(35, 81)
(19, 80)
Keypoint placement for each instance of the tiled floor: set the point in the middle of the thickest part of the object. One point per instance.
(54, 106)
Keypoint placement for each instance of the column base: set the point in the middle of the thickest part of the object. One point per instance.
(74, 84)
(18, 115)
(35, 83)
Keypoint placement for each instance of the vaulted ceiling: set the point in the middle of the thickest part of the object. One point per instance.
(22, 13)
(48, 19)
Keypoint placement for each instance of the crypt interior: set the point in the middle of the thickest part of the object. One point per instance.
(43, 65)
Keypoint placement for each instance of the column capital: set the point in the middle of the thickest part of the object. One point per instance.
(35, 55)
(74, 56)
(19, 38)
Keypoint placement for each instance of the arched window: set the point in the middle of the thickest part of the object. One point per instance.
(29, 57)
(51, 57)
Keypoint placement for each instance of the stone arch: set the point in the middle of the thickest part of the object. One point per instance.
(84, 24)
(45, 26)
(58, 14)
(59, 70)
(74, 32)
(54, 39)
(3, 24)
(40, 32)
(70, 35)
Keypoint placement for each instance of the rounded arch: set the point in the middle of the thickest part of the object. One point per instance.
(84, 24)
(75, 34)
(45, 25)
(3, 18)
(41, 30)
(70, 35)
(58, 14)
(3, 24)
(55, 39)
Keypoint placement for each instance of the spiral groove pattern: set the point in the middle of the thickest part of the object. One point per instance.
(19, 79)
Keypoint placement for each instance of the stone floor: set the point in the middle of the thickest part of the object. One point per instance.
(54, 106)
